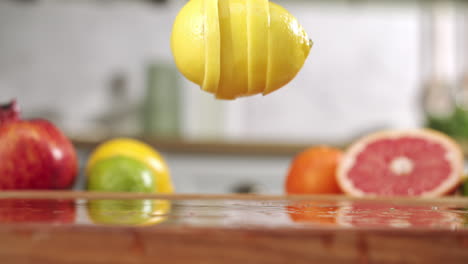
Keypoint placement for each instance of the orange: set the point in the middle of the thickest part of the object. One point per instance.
(313, 171)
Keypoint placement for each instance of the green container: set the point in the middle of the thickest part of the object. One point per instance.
(161, 108)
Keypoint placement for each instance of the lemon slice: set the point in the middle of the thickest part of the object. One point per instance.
(227, 49)
(187, 42)
(258, 20)
(234, 49)
(238, 10)
(286, 55)
(212, 46)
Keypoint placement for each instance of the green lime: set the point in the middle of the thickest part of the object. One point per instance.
(121, 174)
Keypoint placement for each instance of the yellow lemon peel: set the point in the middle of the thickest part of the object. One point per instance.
(258, 22)
(244, 47)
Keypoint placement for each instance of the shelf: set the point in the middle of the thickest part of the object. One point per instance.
(206, 147)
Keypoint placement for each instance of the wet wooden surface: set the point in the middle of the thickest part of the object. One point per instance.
(74, 227)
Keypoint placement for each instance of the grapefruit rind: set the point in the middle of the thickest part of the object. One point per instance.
(453, 155)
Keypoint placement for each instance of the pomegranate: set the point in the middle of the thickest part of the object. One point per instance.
(34, 154)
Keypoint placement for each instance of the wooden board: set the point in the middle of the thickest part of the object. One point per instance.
(80, 227)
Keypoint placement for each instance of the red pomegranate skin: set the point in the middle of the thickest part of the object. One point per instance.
(34, 154)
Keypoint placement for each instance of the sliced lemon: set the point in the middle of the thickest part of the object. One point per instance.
(188, 41)
(235, 48)
(227, 57)
(240, 47)
(258, 20)
(212, 40)
(289, 47)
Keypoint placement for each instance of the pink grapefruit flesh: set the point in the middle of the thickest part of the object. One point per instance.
(401, 163)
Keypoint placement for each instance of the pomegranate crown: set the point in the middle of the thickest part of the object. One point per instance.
(9, 112)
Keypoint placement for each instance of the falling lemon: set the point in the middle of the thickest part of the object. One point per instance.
(236, 48)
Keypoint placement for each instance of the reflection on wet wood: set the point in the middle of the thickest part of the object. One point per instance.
(75, 227)
(453, 200)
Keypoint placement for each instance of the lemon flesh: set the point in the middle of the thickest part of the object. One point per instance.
(212, 46)
(258, 22)
(236, 48)
(227, 56)
(234, 75)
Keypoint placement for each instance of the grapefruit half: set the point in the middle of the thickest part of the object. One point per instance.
(420, 162)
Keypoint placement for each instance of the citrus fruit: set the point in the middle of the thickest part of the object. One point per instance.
(123, 156)
(313, 171)
(120, 173)
(417, 162)
(235, 48)
(128, 165)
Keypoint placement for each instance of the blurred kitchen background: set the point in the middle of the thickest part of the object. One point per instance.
(103, 68)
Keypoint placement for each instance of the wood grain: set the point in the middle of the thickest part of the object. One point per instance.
(100, 245)
(183, 242)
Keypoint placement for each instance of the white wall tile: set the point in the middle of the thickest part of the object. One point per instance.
(362, 72)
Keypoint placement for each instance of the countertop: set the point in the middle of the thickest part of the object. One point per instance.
(83, 227)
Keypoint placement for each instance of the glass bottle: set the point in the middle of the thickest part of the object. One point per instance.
(442, 95)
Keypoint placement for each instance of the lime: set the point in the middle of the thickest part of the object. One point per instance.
(121, 174)
(139, 151)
